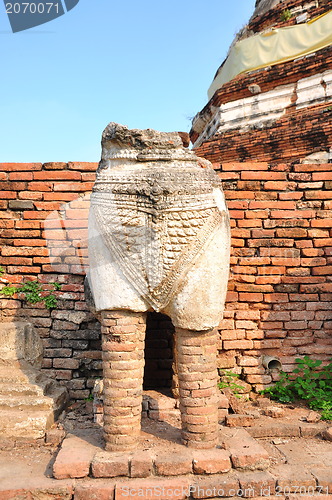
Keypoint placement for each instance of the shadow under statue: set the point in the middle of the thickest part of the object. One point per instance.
(159, 240)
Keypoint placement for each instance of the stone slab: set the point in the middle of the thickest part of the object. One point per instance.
(108, 464)
(169, 464)
(308, 452)
(226, 485)
(29, 402)
(141, 464)
(246, 453)
(153, 489)
(24, 474)
(41, 493)
(74, 458)
(25, 424)
(312, 430)
(95, 490)
(290, 478)
(158, 401)
(277, 429)
(239, 420)
(19, 341)
(258, 483)
(211, 461)
(323, 476)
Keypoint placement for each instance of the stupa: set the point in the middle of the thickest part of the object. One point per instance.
(270, 100)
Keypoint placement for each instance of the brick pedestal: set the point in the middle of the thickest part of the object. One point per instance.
(123, 334)
(197, 371)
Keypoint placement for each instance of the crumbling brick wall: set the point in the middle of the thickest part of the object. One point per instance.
(43, 236)
(298, 132)
(280, 289)
(273, 17)
(293, 136)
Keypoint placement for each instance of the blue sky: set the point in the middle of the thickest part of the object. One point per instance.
(145, 64)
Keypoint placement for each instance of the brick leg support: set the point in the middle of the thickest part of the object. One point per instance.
(123, 335)
(197, 370)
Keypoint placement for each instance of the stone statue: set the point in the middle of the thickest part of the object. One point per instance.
(158, 240)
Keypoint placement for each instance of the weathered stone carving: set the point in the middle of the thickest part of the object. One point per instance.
(156, 214)
(158, 240)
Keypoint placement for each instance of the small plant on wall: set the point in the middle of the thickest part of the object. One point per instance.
(32, 292)
(229, 381)
(285, 15)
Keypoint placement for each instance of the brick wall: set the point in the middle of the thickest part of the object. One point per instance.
(43, 235)
(273, 17)
(295, 135)
(280, 289)
(31, 196)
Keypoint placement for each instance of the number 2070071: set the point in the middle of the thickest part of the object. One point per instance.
(32, 8)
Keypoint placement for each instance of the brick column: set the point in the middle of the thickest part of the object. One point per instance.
(197, 370)
(123, 334)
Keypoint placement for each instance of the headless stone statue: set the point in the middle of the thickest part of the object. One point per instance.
(158, 240)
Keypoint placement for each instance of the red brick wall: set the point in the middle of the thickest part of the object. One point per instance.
(29, 194)
(280, 289)
(272, 76)
(298, 133)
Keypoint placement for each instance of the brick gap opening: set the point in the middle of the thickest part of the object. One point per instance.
(158, 370)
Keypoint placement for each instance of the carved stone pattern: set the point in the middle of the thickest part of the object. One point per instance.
(155, 228)
(158, 181)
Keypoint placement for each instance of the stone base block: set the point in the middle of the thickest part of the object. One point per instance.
(29, 402)
(246, 453)
(27, 410)
(74, 458)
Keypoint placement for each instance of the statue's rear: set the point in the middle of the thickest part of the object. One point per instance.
(158, 240)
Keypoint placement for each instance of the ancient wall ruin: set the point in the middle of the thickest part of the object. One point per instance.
(280, 288)
(280, 112)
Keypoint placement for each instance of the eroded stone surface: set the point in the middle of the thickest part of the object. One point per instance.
(158, 229)
(74, 458)
(29, 402)
(263, 6)
(19, 341)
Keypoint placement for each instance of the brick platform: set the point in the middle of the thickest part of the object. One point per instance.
(241, 466)
(237, 470)
(90, 473)
(78, 458)
(257, 486)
